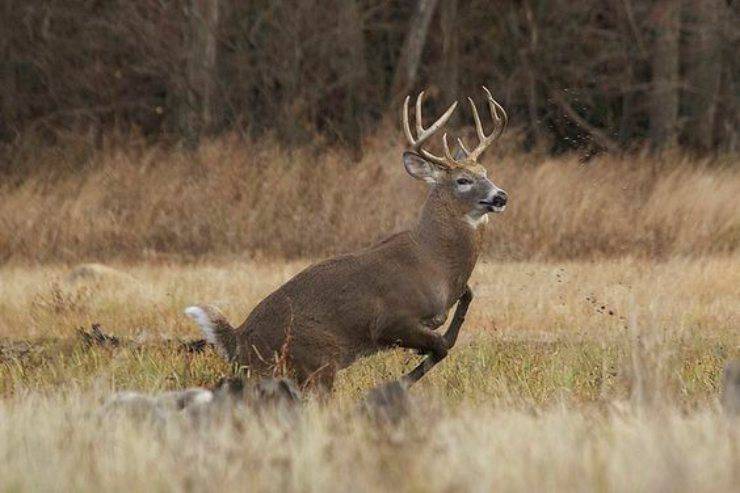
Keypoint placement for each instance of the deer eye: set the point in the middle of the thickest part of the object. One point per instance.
(464, 181)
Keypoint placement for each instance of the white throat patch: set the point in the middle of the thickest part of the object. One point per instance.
(476, 220)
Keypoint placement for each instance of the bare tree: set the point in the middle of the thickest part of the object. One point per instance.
(703, 70)
(528, 60)
(7, 82)
(413, 46)
(307, 68)
(450, 50)
(353, 64)
(196, 109)
(665, 80)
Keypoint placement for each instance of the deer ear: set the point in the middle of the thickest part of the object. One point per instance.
(420, 168)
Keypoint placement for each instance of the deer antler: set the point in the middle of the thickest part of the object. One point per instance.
(499, 120)
(422, 134)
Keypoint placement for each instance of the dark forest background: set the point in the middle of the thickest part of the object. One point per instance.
(596, 75)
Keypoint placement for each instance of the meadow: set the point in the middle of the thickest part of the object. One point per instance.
(606, 307)
(237, 198)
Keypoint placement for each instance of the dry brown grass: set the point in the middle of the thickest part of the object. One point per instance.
(523, 313)
(56, 443)
(593, 365)
(572, 376)
(517, 297)
(236, 198)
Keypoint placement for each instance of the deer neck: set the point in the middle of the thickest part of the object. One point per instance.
(448, 237)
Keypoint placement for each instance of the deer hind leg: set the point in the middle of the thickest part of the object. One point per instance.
(314, 363)
(316, 381)
(321, 382)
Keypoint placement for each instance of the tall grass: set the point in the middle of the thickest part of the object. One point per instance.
(568, 376)
(53, 443)
(233, 197)
(541, 333)
(583, 376)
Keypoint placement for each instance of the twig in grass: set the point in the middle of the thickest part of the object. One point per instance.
(96, 337)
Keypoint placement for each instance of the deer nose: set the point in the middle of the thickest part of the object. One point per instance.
(500, 199)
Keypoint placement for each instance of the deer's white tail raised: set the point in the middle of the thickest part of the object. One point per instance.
(216, 329)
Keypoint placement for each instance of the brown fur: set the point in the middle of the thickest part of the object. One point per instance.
(394, 293)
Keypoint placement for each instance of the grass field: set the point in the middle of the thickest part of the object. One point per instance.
(568, 376)
(607, 304)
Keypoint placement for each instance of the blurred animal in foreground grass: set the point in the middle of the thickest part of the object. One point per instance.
(272, 394)
(396, 293)
(731, 387)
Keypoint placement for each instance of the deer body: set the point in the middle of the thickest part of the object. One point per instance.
(395, 293)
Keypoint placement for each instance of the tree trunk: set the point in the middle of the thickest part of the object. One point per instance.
(728, 131)
(8, 89)
(528, 60)
(354, 62)
(8, 93)
(728, 113)
(412, 49)
(450, 50)
(665, 65)
(703, 71)
(196, 107)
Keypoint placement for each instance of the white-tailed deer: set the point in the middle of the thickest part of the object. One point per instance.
(396, 293)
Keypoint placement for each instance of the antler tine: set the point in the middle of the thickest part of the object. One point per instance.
(500, 122)
(446, 147)
(422, 134)
(478, 124)
(462, 146)
(419, 126)
(493, 105)
(406, 125)
(438, 124)
(437, 159)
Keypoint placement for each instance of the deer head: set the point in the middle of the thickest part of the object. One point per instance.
(459, 177)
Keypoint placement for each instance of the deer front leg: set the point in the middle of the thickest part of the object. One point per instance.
(459, 317)
(450, 338)
(415, 335)
(387, 394)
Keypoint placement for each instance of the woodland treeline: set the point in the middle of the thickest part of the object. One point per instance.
(600, 75)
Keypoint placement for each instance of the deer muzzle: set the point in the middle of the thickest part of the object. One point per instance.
(496, 202)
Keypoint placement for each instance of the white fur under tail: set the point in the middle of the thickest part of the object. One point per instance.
(204, 321)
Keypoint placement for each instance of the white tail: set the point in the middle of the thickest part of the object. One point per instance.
(216, 329)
